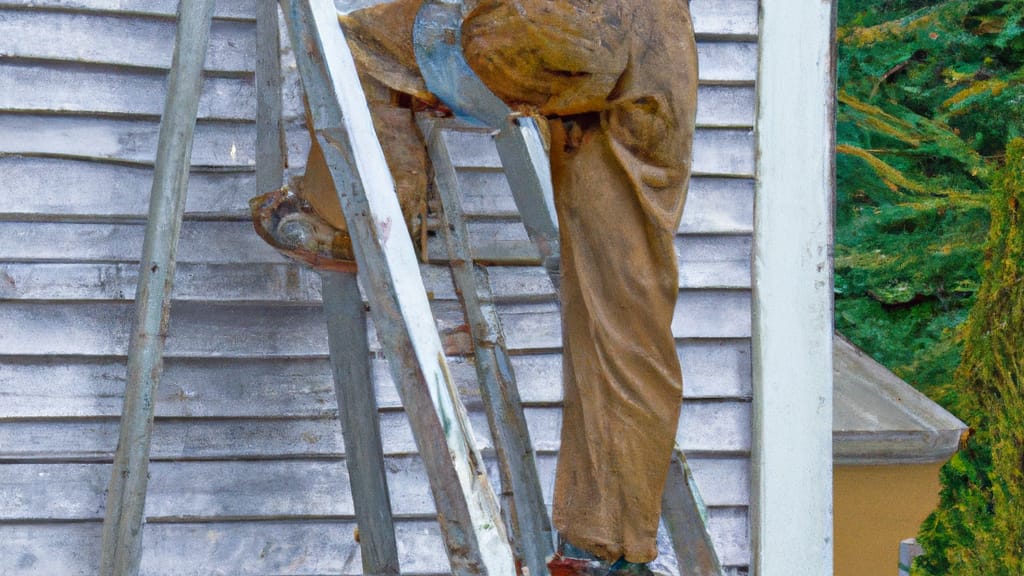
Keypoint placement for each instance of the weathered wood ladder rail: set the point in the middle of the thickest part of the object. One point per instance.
(471, 522)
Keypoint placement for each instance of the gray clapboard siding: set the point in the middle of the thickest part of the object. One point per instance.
(705, 261)
(713, 261)
(235, 9)
(699, 313)
(713, 205)
(726, 62)
(279, 547)
(195, 282)
(111, 38)
(729, 529)
(301, 387)
(101, 38)
(216, 282)
(61, 187)
(310, 547)
(209, 490)
(71, 89)
(724, 106)
(252, 330)
(730, 19)
(224, 145)
(38, 187)
(201, 242)
(717, 152)
(719, 206)
(248, 383)
(91, 89)
(706, 427)
(110, 90)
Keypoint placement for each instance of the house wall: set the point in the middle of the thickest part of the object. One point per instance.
(875, 508)
(247, 473)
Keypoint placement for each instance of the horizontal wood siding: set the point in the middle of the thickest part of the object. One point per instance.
(248, 474)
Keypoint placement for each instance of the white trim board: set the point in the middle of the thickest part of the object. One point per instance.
(791, 468)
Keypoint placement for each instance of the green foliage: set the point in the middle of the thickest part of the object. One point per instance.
(978, 529)
(929, 94)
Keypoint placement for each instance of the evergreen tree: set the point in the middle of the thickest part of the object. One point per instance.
(978, 529)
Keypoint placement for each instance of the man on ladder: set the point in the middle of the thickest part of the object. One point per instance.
(616, 82)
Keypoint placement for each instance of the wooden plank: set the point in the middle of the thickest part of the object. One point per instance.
(723, 152)
(717, 152)
(716, 368)
(360, 423)
(126, 495)
(792, 346)
(218, 144)
(301, 387)
(719, 206)
(237, 9)
(257, 489)
(40, 187)
(117, 40)
(713, 205)
(473, 530)
(283, 548)
(280, 547)
(200, 282)
(698, 313)
(75, 89)
(201, 242)
(713, 261)
(732, 19)
(726, 430)
(246, 282)
(722, 261)
(232, 330)
(723, 106)
(727, 62)
(253, 330)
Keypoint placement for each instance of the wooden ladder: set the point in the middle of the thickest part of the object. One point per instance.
(472, 523)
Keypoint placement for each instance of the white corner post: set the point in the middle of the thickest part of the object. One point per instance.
(791, 511)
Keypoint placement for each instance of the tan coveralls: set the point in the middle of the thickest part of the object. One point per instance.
(617, 80)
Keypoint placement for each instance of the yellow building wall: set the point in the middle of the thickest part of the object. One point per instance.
(875, 508)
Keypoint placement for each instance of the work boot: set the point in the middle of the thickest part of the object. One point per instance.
(623, 568)
(289, 224)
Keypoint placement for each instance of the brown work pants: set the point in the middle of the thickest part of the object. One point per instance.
(617, 80)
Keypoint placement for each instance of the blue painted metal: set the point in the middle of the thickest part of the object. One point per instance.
(437, 41)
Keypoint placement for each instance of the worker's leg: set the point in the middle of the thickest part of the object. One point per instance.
(622, 77)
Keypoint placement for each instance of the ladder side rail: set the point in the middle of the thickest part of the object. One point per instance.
(522, 497)
(360, 422)
(528, 170)
(126, 496)
(467, 507)
(271, 153)
(685, 517)
(346, 326)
